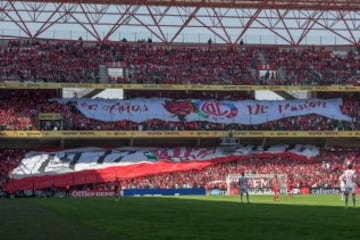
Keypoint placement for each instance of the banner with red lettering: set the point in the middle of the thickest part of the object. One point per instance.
(226, 112)
(41, 169)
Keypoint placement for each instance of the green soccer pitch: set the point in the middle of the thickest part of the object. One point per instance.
(183, 217)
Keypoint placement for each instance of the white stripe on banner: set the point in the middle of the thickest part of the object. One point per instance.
(226, 112)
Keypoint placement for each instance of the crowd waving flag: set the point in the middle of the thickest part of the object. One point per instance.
(226, 112)
(41, 169)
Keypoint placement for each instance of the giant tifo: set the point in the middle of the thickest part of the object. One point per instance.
(172, 97)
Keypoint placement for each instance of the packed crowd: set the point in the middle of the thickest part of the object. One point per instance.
(61, 61)
(78, 61)
(19, 110)
(9, 159)
(311, 66)
(215, 95)
(321, 171)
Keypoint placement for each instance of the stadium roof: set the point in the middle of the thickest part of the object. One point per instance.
(349, 5)
(289, 22)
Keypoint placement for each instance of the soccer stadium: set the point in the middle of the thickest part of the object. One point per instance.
(137, 119)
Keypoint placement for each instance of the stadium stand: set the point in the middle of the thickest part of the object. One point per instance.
(77, 61)
(41, 61)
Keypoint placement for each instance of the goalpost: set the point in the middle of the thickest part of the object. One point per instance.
(258, 184)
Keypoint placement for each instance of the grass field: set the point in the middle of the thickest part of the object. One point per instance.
(191, 217)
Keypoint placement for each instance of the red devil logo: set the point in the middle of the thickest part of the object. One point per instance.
(179, 108)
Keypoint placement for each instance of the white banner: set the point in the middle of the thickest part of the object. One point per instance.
(226, 112)
(75, 160)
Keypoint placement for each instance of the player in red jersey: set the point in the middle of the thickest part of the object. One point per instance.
(275, 187)
(290, 188)
(116, 188)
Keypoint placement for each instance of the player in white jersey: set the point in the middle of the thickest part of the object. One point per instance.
(342, 187)
(243, 187)
(349, 178)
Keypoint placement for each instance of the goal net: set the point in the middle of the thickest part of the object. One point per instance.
(258, 184)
